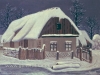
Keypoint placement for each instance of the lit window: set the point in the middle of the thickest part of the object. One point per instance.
(68, 45)
(53, 45)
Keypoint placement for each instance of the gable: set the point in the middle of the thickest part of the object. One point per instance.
(51, 27)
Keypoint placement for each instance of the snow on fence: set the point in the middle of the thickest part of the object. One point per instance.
(12, 52)
(35, 53)
(25, 53)
(84, 54)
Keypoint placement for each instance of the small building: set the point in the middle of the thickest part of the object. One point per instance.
(50, 27)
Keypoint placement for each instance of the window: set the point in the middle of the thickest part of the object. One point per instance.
(68, 45)
(53, 45)
(12, 44)
(58, 26)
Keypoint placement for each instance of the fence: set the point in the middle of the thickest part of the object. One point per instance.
(31, 53)
(84, 54)
(52, 54)
(11, 52)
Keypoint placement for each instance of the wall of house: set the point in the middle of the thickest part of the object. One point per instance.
(60, 43)
(16, 44)
(6, 44)
(32, 43)
(35, 43)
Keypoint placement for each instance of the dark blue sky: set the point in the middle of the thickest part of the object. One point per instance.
(92, 7)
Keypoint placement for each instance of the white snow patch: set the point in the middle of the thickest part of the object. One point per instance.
(86, 36)
(60, 35)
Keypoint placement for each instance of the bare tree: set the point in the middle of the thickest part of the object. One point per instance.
(91, 25)
(9, 14)
(20, 13)
(6, 16)
(77, 11)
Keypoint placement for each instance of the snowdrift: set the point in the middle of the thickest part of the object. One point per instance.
(57, 67)
(96, 40)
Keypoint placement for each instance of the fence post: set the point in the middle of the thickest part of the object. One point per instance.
(27, 53)
(72, 55)
(34, 53)
(90, 56)
(77, 52)
(57, 57)
(19, 54)
(31, 52)
(86, 54)
(24, 54)
(44, 53)
(81, 54)
(38, 50)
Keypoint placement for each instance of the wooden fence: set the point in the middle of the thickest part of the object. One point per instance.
(31, 54)
(84, 54)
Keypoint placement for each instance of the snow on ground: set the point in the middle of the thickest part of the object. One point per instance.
(48, 63)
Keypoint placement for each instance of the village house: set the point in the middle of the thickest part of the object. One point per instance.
(51, 27)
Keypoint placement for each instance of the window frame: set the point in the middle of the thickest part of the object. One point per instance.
(53, 45)
(68, 45)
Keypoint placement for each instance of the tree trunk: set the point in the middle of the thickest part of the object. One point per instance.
(91, 33)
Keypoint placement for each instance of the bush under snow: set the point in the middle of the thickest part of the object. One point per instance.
(96, 40)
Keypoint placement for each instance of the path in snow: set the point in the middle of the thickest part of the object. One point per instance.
(23, 70)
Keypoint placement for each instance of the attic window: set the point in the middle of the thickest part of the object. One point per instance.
(53, 45)
(58, 26)
(68, 45)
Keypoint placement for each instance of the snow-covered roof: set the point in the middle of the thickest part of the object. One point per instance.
(31, 25)
(86, 36)
(1, 44)
(70, 35)
(82, 38)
